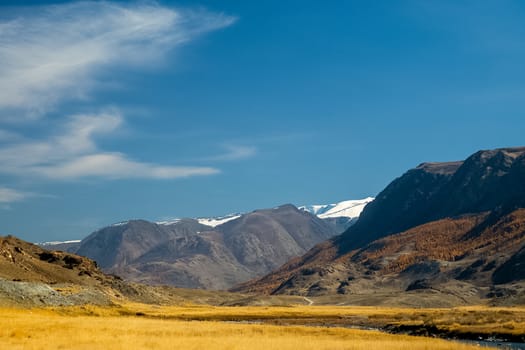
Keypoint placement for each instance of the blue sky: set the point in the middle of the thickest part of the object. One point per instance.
(154, 110)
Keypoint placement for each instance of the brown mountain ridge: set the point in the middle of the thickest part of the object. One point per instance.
(188, 254)
(454, 230)
(32, 276)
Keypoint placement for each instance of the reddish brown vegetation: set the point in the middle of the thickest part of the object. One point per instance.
(470, 239)
(448, 240)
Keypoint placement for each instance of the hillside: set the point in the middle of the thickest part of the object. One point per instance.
(31, 275)
(188, 254)
(23, 261)
(485, 181)
(441, 228)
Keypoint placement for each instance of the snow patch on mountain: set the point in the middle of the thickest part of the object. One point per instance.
(213, 222)
(349, 209)
(346, 209)
(58, 242)
(121, 223)
(168, 222)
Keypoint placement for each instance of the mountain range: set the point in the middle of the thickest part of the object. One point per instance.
(453, 230)
(441, 234)
(212, 253)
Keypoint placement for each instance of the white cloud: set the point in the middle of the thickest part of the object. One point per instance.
(235, 152)
(73, 154)
(117, 166)
(55, 53)
(9, 195)
(75, 139)
(82, 128)
(6, 135)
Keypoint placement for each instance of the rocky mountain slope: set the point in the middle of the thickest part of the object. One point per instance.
(20, 260)
(442, 228)
(186, 253)
(485, 181)
(32, 276)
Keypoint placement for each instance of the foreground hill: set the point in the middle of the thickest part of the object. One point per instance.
(28, 272)
(186, 253)
(442, 228)
(32, 276)
(23, 261)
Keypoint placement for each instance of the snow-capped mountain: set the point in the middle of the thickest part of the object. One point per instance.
(130, 248)
(346, 211)
(58, 242)
(213, 222)
(341, 215)
(349, 209)
(67, 246)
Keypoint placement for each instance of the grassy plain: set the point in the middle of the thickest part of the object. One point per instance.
(159, 328)
(140, 326)
(481, 320)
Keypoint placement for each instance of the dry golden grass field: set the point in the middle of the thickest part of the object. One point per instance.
(137, 326)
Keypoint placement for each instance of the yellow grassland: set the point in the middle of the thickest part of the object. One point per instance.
(140, 326)
(475, 319)
(158, 328)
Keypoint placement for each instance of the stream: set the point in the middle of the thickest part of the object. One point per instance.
(495, 344)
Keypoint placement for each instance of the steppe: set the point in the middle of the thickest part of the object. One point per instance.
(142, 326)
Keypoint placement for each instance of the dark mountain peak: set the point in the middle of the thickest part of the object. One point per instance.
(285, 207)
(486, 180)
(442, 168)
(512, 152)
(501, 158)
(404, 203)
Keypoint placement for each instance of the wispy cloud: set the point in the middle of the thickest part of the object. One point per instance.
(9, 195)
(73, 153)
(55, 53)
(118, 166)
(6, 135)
(234, 152)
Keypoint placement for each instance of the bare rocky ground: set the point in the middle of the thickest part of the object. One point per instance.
(16, 293)
(33, 276)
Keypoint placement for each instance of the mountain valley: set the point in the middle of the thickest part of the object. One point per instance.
(452, 231)
(213, 253)
(442, 234)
